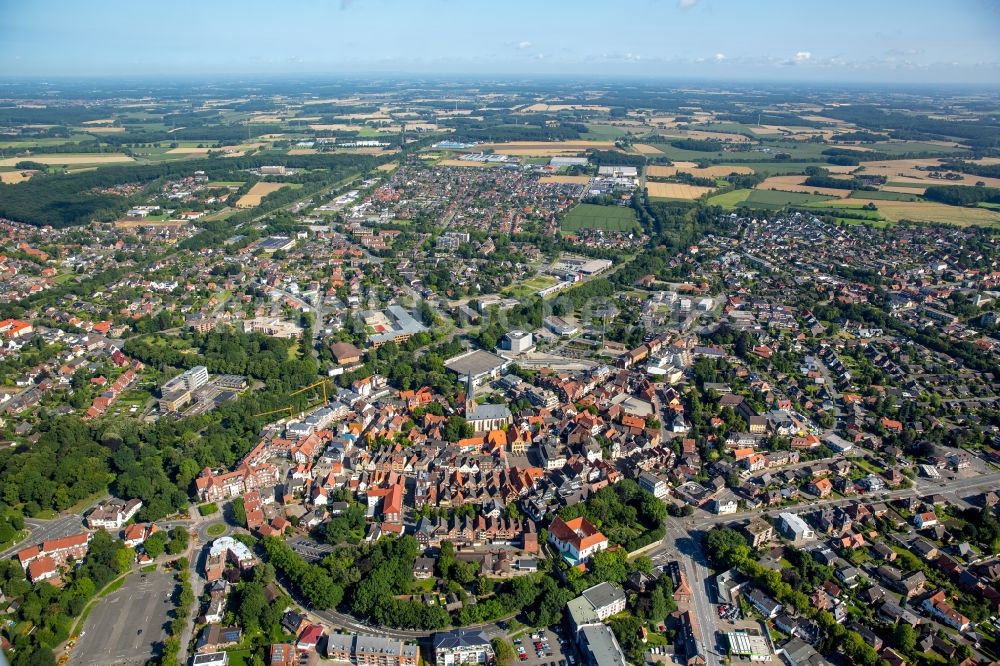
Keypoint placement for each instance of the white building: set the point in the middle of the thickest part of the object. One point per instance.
(462, 646)
(794, 528)
(517, 342)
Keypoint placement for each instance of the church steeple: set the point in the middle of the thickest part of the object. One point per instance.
(470, 395)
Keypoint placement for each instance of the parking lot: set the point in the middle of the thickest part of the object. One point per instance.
(310, 550)
(553, 652)
(123, 627)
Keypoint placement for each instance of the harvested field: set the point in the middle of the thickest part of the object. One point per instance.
(928, 211)
(794, 184)
(714, 171)
(906, 171)
(103, 130)
(388, 166)
(334, 127)
(253, 198)
(903, 190)
(366, 151)
(565, 180)
(676, 190)
(839, 168)
(195, 150)
(467, 163)
(704, 134)
(126, 223)
(546, 148)
(100, 121)
(536, 108)
(302, 151)
(70, 158)
(15, 177)
(645, 149)
(825, 119)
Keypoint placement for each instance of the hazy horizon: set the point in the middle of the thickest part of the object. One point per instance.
(773, 41)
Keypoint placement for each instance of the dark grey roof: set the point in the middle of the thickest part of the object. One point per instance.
(460, 638)
(603, 595)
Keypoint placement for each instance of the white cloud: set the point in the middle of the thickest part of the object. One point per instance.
(524, 45)
(686, 4)
(719, 57)
(802, 56)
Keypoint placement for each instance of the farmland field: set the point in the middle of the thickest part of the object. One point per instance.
(907, 172)
(605, 132)
(927, 211)
(70, 158)
(195, 150)
(676, 190)
(260, 190)
(779, 199)
(14, 177)
(729, 199)
(565, 180)
(645, 149)
(886, 195)
(162, 224)
(468, 163)
(609, 218)
(713, 171)
(794, 184)
(546, 148)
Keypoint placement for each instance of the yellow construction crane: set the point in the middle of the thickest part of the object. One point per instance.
(291, 410)
(275, 411)
(312, 386)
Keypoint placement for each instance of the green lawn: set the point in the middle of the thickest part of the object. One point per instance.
(216, 530)
(208, 509)
(609, 218)
(239, 657)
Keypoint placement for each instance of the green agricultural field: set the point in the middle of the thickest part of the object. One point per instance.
(609, 218)
(837, 209)
(884, 196)
(774, 167)
(24, 144)
(779, 199)
(905, 147)
(878, 224)
(729, 199)
(603, 133)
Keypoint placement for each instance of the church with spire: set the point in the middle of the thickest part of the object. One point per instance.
(484, 418)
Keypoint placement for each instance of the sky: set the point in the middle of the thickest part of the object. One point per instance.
(878, 41)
